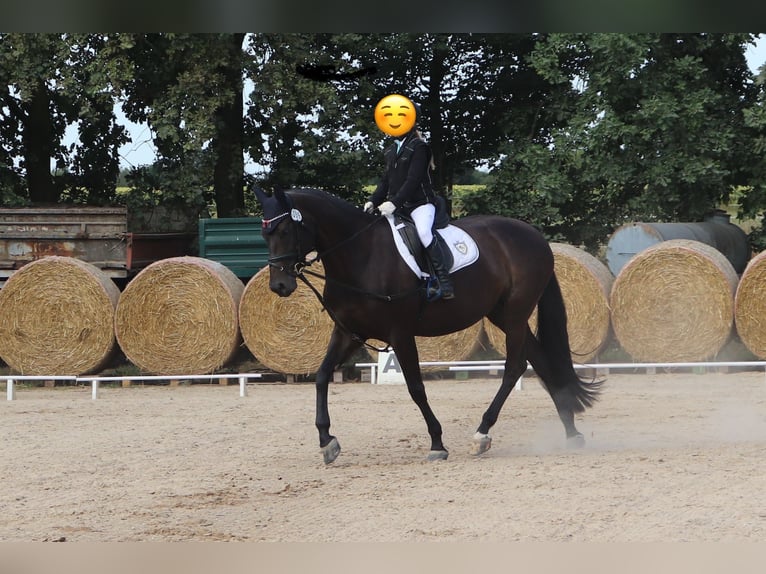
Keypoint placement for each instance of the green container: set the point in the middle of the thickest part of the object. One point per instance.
(235, 242)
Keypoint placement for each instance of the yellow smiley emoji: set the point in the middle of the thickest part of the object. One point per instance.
(395, 115)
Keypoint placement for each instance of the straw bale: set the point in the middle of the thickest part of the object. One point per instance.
(57, 318)
(289, 335)
(585, 286)
(496, 337)
(750, 306)
(674, 302)
(457, 346)
(178, 316)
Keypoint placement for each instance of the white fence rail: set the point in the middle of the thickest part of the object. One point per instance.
(243, 378)
(499, 365)
(95, 382)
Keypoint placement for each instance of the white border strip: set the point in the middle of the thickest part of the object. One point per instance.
(495, 365)
(498, 365)
(95, 381)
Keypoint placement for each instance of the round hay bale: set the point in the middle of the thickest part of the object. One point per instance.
(178, 316)
(496, 337)
(674, 302)
(585, 285)
(289, 335)
(750, 306)
(457, 346)
(57, 318)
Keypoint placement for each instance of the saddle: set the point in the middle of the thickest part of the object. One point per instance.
(457, 247)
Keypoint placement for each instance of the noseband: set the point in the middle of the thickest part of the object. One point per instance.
(297, 268)
(295, 271)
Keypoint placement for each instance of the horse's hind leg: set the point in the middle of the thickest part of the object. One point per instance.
(551, 358)
(341, 346)
(515, 365)
(407, 354)
(561, 393)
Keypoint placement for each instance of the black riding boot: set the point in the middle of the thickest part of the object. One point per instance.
(442, 273)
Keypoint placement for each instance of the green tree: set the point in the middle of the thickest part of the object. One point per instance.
(752, 198)
(315, 96)
(651, 128)
(188, 89)
(297, 125)
(50, 84)
(582, 131)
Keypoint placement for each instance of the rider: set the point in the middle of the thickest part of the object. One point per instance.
(406, 183)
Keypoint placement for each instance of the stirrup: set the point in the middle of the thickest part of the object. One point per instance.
(433, 289)
(449, 295)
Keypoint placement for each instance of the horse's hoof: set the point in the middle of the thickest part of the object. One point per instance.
(331, 450)
(481, 444)
(437, 455)
(576, 441)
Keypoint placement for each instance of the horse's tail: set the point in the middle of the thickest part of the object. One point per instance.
(556, 370)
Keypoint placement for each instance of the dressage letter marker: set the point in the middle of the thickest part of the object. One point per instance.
(389, 371)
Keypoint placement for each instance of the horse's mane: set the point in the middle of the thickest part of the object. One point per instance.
(338, 204)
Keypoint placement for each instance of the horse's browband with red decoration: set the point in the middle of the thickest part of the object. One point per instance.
(267, 222)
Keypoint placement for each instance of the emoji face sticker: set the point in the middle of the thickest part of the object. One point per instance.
(395, 115)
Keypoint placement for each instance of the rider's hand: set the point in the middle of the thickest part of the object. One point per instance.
(387, 208)
(369, 207)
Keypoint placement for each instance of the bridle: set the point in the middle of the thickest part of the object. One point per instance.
(299, 269)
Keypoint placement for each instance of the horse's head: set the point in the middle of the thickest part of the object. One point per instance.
(289, 236)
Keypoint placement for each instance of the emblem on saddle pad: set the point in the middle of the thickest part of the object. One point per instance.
(462, 247)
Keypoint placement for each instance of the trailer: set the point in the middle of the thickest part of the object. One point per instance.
(98, 235)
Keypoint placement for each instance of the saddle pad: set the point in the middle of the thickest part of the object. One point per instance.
(463, 247)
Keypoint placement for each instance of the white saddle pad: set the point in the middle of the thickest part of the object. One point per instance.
(463, 247)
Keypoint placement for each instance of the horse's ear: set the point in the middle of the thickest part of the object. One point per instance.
(282, 198)
(260, 195)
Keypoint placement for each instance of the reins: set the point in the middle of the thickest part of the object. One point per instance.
(300, 270)
(334, 317)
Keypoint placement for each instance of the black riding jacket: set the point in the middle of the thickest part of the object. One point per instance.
(407, 180)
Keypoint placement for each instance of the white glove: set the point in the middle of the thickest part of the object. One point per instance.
(386, 208)
(368, 207)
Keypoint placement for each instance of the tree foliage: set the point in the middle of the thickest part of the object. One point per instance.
(296, 124)
(52, 83)
(654, 129)
(188, 89)
(580, 132)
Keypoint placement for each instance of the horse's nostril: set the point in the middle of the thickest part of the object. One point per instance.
(281, 289)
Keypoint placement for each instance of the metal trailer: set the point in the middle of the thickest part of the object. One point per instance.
(97, 235)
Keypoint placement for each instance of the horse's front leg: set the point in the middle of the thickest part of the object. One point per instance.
(515, 365)
(407, 354)
(341, 346)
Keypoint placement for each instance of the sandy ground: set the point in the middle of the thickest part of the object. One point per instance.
(669, 457)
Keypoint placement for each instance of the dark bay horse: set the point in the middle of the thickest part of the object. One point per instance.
(370, 293)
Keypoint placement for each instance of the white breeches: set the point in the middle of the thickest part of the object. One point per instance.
(423, 216)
